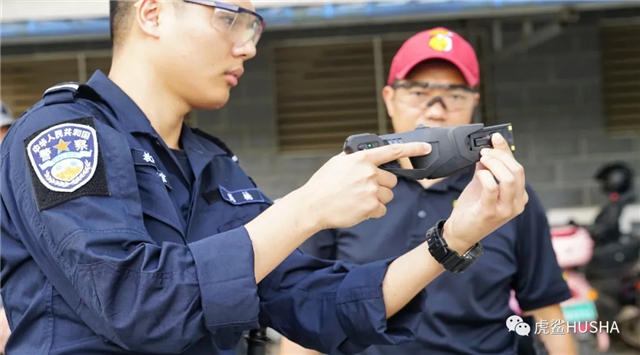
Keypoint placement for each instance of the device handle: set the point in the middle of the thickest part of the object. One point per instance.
(454, 149)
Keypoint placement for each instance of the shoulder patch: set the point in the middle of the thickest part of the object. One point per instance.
(66, 163)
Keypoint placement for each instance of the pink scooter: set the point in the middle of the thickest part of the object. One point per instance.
(574, 248)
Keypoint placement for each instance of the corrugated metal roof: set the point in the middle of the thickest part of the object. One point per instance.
(47, 10)
(319, 14)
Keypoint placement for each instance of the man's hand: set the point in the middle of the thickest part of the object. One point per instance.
(494, 196)
(349, 189)
(483, 207)
(345, 191)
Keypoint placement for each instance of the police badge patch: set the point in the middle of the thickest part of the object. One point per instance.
(66, 160)
(65, 156)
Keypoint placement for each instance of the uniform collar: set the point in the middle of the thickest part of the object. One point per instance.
(135, 121)
(198, 144)
(199, 155)
(126, 111)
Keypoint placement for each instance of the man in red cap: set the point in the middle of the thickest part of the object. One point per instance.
(434, 81)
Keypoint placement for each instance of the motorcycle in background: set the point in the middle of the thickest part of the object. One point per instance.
(597, 261)
(629, 316)
(614, 269)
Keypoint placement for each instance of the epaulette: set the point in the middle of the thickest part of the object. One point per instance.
(217, 142)
(68, 92)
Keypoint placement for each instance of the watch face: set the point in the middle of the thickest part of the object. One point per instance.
(470, 258)
(476, 251)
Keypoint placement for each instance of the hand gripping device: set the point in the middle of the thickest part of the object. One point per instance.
(455, 149)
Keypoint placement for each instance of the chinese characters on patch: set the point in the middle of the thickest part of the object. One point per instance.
(64, 157)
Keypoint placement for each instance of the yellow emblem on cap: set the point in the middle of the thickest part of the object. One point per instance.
(440, 32)
(454, 203)
(441, 40)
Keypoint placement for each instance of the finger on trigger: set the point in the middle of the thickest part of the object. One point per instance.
(393, 152)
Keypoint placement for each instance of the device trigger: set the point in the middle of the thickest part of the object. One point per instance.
(482, 142)
(390, 165)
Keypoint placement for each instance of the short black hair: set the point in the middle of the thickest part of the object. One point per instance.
(119, 19)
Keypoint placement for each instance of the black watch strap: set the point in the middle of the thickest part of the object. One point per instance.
(451, 260)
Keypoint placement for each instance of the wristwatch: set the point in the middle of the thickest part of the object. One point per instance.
(450, 259)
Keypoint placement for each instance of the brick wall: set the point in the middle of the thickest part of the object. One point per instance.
(552, 95)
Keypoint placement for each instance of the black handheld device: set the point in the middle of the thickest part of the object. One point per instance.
(455, 149)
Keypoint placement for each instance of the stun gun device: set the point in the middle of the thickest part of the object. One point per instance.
(454, 149)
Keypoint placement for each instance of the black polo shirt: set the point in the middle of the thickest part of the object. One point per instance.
(464, 313)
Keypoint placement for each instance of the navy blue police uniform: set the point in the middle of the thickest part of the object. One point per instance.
(465, 313)
(112, 243)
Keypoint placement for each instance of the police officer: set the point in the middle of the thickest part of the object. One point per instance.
(433, 81)
(126, 232)
(6, 120)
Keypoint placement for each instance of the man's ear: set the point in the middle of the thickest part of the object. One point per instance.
(476, 99)
(147, 14)
(387, 95)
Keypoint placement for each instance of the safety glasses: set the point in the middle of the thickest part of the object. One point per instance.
(240, 24)
(421, 95)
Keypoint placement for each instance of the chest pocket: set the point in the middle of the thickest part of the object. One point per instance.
(157, 205)
(236, 206)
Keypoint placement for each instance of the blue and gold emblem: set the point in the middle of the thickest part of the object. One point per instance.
(65, 156)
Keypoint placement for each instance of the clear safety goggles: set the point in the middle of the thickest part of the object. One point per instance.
(423, 95)
(240, 24)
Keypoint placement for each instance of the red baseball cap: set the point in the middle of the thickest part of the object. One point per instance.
(436, 43)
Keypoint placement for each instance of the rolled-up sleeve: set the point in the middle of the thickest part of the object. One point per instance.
(362, 313)
(334, 307)
(227, 280)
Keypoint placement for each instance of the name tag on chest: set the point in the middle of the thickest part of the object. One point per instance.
(241, 197)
